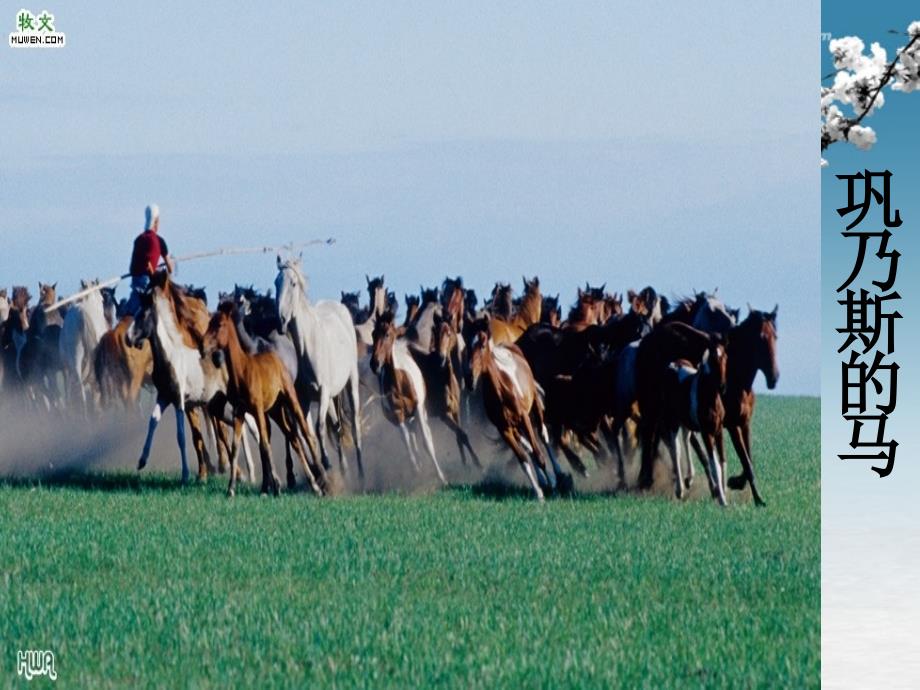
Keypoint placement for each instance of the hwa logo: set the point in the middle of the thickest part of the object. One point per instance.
(36, 31)
(36, 662)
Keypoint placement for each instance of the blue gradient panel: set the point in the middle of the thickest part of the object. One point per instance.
(870, 558)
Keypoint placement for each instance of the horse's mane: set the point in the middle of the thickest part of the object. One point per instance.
(191, 312)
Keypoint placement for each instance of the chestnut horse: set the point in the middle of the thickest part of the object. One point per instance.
(508, 331)
(402, 386)
(121, 370)
(512, 403)
(261, 386)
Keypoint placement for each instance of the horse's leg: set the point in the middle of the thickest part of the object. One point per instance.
(285, 417)
(237, 434)
(747, 463)
(269, 480)
(674, 448)
(336, 428)
(354, 398)
(537, 456)
(463, 440)
(180, 439)
(571, 455)
(220, 442)
(321, 415)
(704, 460)
(422, 417)
(615, 442)
(159, 406)
(686, 435)
(542, 478)
(407, 439)
(557, 470)
(254, 432)
(204, 459)
(739, 481)
(647, 438)
(714, 468)
(511, 439)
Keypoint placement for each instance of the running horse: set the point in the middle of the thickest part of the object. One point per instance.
(15, 334)
(327, 350)
(175, 324)
(512, 403)
(259, 385)
(751, 348)
(508, 331)
(692, 398)
(402, 387)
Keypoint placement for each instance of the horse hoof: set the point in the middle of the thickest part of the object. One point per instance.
(737, 483)
(231, 493)
(141, 464)
(760, 503)
(688, 482)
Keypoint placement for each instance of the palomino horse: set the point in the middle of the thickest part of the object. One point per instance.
(327, 351)
(402, 387)
(692, 400)
(512, 403)
(175, 324)
(751, 348)
(84, 325)
(261, 386)
(508, 331)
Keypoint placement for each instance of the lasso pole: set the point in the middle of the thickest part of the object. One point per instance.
(224, 251)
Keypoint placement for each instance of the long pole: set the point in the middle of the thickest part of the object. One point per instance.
(223, 251)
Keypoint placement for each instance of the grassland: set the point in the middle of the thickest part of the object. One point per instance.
(143, 584)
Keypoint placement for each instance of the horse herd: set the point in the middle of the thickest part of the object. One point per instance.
(611, 374)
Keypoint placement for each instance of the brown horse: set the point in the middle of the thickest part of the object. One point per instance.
(512, 403)
(751, 348)
(508, 331)
(443, 384)
(121, 370)
(585, 313)
(692, 401)
(402, 387)
(259, 385)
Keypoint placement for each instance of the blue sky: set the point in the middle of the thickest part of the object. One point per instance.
(628, 143)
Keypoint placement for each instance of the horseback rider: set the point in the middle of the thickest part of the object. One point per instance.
(149, 248)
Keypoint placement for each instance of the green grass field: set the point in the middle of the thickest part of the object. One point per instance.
(142, 583)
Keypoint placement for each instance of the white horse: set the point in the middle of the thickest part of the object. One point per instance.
(324, 335)
(84, 326)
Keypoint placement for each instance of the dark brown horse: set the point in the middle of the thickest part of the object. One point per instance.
(692, 400)
(666, 343)
(751, 348)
